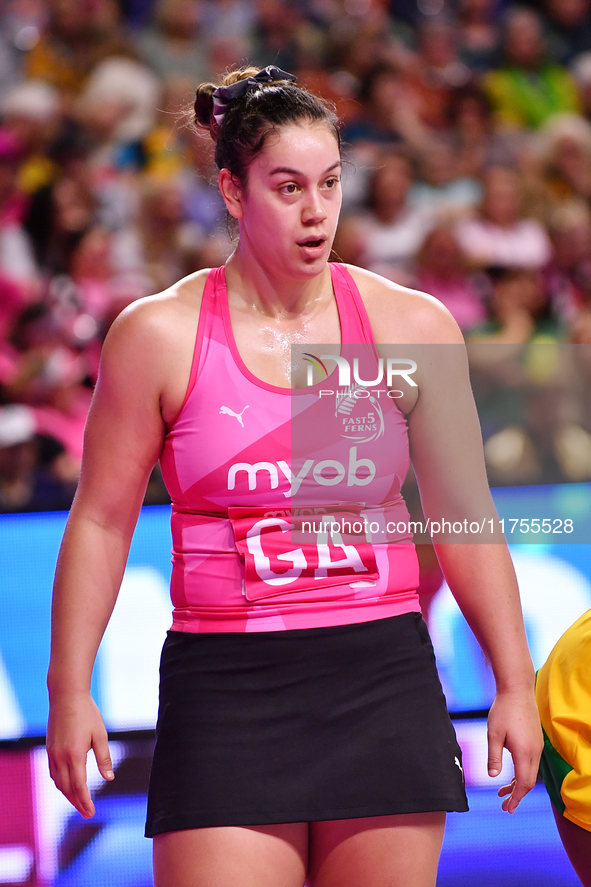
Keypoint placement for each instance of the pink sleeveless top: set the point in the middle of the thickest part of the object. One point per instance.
(227, 464)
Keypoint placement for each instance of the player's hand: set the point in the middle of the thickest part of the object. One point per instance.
(514, 724)
(75, 727)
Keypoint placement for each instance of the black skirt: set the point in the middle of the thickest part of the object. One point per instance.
(302, 725)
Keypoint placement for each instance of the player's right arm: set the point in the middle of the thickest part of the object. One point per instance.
(123, 439)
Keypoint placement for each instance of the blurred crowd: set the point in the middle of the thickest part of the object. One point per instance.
(467, 131)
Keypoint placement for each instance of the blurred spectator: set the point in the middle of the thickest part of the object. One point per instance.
(315, 71)
(567, 28)
(476, 142)
(136, 12)
(363, 36)
(442, 272)
(379, 95)
(76, 37)
(472, 131)
(117, 108)
(281, 32)
(441, 186)
(174, 44)
(13, 298)
(29, 466)
(411, 91)
(16, 256)
(478, 33)
(568, 276)
(226, 53)
(528, 88)
(116, 111)
(581, 72)
(92, 273)
(20, 27)
(59, 215)
(519, 311)
(163, 243)
(164, 145)
(439, 70)
(202, 203)
(174, 151)
(31, 111)
(48, 376)
(390, 231)
(580, 334)
(500, 235)
(564, 150)
(228, 18)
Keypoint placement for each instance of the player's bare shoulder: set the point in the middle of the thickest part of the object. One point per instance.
(161, 322)
(399, 315)
(149, 348)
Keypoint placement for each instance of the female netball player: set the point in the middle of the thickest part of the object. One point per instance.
(302, 731)
(563, 694)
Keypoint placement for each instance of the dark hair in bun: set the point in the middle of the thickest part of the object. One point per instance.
(250, 118)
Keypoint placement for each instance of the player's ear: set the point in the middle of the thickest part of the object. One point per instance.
(232, 192)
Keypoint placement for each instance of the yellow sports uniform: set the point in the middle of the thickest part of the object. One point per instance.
(563, 694)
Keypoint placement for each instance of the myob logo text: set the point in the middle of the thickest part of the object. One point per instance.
(241, 471)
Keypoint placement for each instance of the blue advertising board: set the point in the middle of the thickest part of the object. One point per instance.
(554, 578)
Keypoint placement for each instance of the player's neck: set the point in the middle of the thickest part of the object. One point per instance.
(273, 294)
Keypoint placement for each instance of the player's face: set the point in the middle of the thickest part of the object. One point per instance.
(291, 203)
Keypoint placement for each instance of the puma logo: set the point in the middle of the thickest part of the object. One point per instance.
(237, 416)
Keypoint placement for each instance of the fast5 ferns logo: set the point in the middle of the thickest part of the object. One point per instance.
(362, 420)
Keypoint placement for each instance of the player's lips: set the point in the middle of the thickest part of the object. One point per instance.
(312, 242)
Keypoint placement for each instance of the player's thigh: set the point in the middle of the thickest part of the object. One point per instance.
(243, 856)
(577, 843)
(384, 851)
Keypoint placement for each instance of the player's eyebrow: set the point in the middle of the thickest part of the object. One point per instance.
(287, 170)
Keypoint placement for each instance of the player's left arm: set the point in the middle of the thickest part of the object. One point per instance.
(447, 456)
